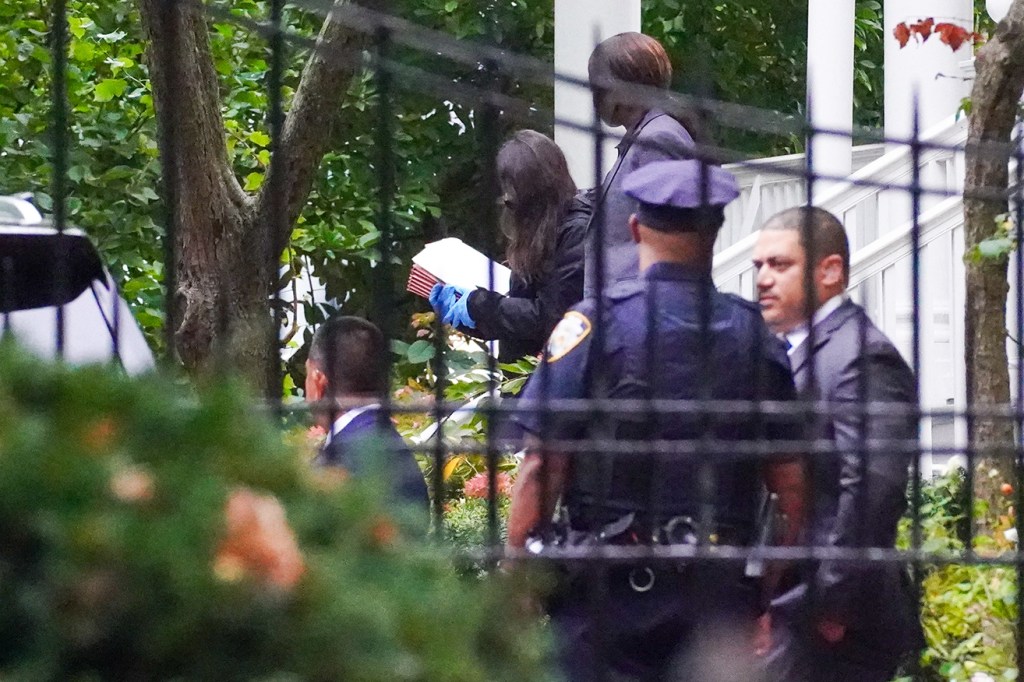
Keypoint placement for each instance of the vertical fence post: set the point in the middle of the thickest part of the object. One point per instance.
(490, 133)
(277, 219)
(59, 132)
(811, 408)
(386, 199)
(915, 287)
(596, 571)
(170, 23)
(1018, 479)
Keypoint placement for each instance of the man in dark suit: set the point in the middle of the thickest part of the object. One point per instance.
(841, 621)
(348, 364)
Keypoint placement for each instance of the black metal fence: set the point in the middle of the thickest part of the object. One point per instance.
(492, 109)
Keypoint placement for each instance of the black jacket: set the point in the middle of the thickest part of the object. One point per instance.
(522, 321)
(860, 491)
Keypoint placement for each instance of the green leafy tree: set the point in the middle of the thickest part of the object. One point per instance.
(755, 53)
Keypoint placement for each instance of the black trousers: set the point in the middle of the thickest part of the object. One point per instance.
(696, 623)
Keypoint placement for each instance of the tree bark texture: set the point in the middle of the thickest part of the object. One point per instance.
(228, 242)
(995, 96)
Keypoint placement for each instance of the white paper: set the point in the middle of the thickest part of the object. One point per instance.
(454, 262)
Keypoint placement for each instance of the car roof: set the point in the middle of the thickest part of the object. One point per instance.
(41, 267)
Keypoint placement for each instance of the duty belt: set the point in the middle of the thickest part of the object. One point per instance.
(678, 530)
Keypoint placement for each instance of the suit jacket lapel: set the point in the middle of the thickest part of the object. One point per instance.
(823, 332)
(623, 148)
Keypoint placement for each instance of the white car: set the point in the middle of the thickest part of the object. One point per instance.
(42, 272)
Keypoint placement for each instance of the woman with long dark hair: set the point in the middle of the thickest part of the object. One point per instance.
(544, 219)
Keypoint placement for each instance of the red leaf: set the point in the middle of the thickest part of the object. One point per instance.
(923, 28)
(902, 34)
(953, 35)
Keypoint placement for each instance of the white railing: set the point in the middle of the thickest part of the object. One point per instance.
(770, 185)
(872, 201)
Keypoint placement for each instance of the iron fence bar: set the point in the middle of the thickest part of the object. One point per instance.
(440, 409)
(807, 277)
(1018, 478)
(59, 94)
(769, 408)
(277, 219)
(490, 132)
(597, 593)
(706, 474)
(386, 183)
(857, 556)
(116, 323)
(169, 20)
(7, 265)
(915, 284)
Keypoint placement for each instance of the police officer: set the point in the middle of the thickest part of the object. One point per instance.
(667, 335)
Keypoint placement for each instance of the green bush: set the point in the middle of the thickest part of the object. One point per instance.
(123, 555)
(968, 611)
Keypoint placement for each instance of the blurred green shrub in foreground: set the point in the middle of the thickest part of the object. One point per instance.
(148, 534)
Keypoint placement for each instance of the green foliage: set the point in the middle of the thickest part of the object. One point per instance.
(998, 246)
(751, 53)
(115, 562)
(869, 48)
(968, 612)
(755, 53)
(466, 527)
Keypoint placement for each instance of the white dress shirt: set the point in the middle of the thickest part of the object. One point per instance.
(345, 419)
(800, 334)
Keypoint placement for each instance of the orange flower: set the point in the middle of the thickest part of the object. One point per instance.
(132, 484)
(477, 486)
(258, 542)
(98, 435)
(383, 532)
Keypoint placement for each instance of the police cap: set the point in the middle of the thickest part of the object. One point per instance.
(681, 196)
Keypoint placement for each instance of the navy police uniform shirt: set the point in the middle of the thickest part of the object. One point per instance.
(657, 346)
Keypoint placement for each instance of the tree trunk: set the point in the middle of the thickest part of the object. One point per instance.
(997, 90)
(228, 242)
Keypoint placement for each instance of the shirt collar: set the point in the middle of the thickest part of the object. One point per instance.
(347, 418)
(800, 334)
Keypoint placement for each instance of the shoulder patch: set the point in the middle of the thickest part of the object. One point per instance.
(567, 334)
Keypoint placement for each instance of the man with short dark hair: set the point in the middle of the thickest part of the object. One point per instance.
(686, 477)
(849, 622)
(347, 364)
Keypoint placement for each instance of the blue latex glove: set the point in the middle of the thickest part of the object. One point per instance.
(458, 313)
(439, 298)
(445, 297)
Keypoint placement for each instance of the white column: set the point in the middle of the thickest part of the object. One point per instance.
(931, 69)
(830, 31)
(577, 24)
